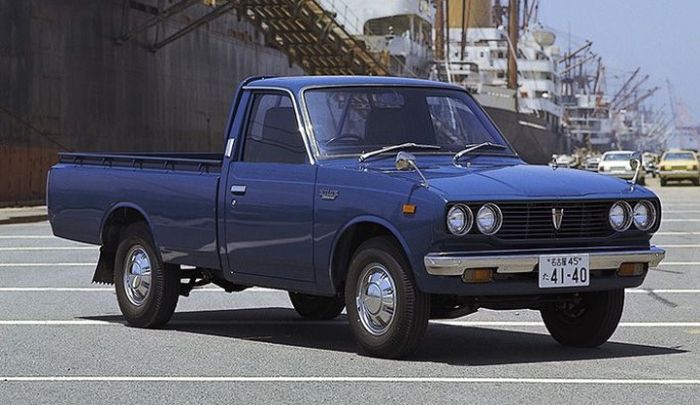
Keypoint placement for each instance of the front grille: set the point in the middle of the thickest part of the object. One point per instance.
(533, 220)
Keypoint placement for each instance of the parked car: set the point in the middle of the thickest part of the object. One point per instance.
(396, 198)
(565, 161)
(679, 165)
(649, 161)
(619, 164)
(591, 163)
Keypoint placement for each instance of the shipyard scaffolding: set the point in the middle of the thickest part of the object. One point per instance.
(312, 33)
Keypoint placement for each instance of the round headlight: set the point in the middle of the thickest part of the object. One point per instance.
(620, 216)
(644, 215)
(459, 220)
(489, 219)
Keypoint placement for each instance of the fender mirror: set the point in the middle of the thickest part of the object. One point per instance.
(407, 161)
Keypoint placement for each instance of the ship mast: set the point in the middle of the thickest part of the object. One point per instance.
(513, 33)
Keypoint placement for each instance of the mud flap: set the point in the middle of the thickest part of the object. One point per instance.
(104, 273)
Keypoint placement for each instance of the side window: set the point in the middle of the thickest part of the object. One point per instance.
(272, 134)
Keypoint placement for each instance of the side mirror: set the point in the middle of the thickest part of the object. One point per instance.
(634, 163)
(405, 161)
(555, 157)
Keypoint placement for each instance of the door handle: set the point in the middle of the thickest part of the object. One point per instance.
(238, 189)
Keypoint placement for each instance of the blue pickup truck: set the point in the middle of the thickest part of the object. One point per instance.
(395, 198)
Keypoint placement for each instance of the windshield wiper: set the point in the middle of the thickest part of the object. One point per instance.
(473, 147)
(407, 145)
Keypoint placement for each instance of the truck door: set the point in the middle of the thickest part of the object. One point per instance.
(269, 206)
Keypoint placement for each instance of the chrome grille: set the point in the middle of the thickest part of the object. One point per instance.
(533, 220)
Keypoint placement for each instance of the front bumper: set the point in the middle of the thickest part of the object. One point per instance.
(623, 175)
(439, 264)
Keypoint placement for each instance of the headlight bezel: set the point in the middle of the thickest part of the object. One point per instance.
(628, 216)
(469, 220)
(651, 214)
(498, 219)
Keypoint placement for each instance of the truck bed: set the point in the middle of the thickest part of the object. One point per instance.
(176, 193)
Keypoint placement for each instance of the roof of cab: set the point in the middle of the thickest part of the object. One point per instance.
(297, 83)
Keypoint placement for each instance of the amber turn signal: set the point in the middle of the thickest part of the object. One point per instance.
(631, 269)
(477, 275)
(408, 209)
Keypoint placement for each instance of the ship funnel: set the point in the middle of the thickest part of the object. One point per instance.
(477, 13)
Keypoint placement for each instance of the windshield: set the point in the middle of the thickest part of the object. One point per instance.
(618, 156)
(679, 156)
(353, 120)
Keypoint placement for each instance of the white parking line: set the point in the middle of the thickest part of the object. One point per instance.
(301, 322)
(678, 264)
(266, 290)
(108, 289)
(680, 220)
(29, 237)
(355, 379)
(32, 248)
(676, 233)
(680, 211)
(46, 264)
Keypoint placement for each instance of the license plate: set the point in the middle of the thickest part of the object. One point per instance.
(564, 271)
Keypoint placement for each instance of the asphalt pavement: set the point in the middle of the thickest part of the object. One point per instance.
(63, 340)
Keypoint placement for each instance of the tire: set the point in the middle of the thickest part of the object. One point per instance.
(380, 268)
(696, 182)
(317, 307)
(663, 182)
(642, 181)
(144, 307)
(589, 323)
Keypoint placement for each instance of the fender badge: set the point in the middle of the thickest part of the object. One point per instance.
(328, 194)
(557, 216)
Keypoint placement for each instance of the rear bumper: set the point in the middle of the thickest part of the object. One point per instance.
(679, 174)
(438, 264)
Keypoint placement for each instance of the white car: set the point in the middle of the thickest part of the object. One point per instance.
(618, 163)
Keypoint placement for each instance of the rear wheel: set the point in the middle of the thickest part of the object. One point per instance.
(147, 288)
(663, 182)
(317, 307)
(696, 182)
(588, 322)
(387, 312)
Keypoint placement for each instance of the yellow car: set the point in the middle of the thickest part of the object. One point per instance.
(679, 165)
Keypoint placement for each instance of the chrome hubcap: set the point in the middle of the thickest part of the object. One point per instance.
(137, 275)
(376, 299)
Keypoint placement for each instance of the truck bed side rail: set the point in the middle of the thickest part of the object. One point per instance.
(202, 162)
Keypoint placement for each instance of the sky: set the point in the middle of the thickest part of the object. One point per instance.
(660, 36)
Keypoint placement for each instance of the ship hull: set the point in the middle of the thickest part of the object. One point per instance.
(531, 137)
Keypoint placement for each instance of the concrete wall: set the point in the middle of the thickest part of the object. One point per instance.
(66, 85)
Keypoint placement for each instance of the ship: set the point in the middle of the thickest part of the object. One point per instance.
(511, 69)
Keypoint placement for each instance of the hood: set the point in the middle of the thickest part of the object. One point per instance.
(521, 181)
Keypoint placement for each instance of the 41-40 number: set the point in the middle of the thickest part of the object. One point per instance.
(578, 275)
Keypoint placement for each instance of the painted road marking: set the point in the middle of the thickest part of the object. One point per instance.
(46, 264)
(107, 289)
(354, 379)
(301, 322)
(262, 289)
(30, 248)
(676, 233)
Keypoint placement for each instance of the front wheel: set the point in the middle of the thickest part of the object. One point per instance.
(147, 288)
(587, 322)
(316, 307)
(387, 313)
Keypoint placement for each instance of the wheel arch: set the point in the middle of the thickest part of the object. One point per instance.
(351, 236)
(117, 218)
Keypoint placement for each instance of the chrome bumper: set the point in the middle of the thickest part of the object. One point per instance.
(438, 264)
